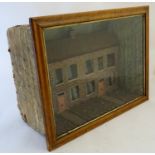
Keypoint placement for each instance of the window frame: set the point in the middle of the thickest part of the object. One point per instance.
(70, 93)
(88, 94)
(92, 67)
(68, 69)
(55, 76)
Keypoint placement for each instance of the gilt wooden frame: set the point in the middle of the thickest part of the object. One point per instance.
(38, 24)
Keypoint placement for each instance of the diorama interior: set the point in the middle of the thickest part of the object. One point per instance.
(94, 68)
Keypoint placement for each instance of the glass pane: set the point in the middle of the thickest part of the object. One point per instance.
(72, 72)
(110, 81)
(90, 87)
(58, 76)
(100, 63)
(74, 91)
(113, 51)
(89, 66)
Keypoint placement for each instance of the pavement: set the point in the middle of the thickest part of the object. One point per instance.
(88, 110)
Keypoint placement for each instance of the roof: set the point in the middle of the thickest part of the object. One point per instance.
(72, 46)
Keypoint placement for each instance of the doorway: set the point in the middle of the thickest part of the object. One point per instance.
(61, 102)
(101, 87)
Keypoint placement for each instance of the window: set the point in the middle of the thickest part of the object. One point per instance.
(111, 59)
(90, 87)
(89, 66)
(74, 93)
(58, 76)
(110, 81)
(72, 72)
(100, 63)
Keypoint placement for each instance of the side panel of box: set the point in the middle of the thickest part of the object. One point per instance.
(25, 76)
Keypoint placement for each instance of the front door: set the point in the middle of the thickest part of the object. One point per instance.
(101, 87)
(61, 102)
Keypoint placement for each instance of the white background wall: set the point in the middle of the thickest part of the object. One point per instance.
(133, 131)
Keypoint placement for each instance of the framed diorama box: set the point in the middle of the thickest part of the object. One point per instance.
(80, 69)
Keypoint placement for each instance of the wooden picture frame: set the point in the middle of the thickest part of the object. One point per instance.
(40, 24)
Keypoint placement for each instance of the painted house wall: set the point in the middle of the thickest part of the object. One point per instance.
(83, 78)
(64, 52)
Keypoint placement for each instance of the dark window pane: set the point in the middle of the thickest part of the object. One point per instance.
(58, 76)
(72, 72)
(74, 92)
(111, 59)
(89, 66)
(100, 63)
(110, 81)
(90, 87)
